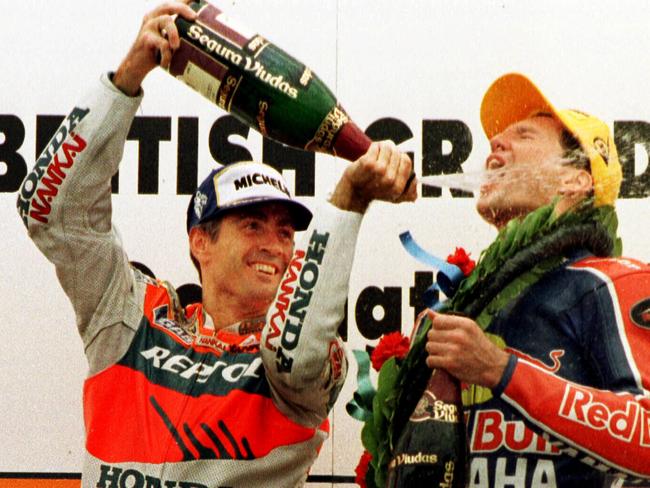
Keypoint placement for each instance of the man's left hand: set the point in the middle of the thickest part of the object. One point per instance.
(459, 346)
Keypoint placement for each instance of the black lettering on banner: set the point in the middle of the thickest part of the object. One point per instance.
(221, 149)
(13, 130)
(148, 131)
(389, 300)
(423, 280)
(283, 157)
(628, 134)
(187, 155)
(46, 126)
(435, 161)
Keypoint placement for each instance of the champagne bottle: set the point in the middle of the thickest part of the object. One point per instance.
(431, 451)
(266, 88)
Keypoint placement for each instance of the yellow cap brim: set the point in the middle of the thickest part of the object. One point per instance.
(513, 97)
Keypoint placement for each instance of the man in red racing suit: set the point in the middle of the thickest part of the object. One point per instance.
(231, 392)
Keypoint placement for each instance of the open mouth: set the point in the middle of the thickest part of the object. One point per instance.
(491, 179)
(265, 268)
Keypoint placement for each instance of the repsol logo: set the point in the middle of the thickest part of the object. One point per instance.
(186, 368)
(301, 299)
(50, 170)
(579, 405)
(249, 181)
(492, 432)
(114, 477)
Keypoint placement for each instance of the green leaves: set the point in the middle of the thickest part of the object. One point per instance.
(511, 264)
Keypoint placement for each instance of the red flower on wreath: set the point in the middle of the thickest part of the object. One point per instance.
(461, 259)
(361, 470)
(391, 345)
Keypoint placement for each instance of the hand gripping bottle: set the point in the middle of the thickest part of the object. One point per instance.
(248, 76)
(431, 450)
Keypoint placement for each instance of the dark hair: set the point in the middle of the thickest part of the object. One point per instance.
(211, 227)
(573, 151)
(575, 155)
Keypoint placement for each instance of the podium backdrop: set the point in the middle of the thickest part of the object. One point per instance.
(411, 71)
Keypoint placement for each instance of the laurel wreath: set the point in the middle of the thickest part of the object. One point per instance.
(523, 251)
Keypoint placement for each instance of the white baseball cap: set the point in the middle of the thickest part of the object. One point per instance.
(239, 185)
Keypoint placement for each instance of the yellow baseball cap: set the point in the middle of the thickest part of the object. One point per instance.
(513, 97)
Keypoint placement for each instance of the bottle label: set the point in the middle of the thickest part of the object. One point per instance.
(227, 91)
(430, 408)
(417, 458)
(201, 81)
(248, 76)
(324, 138)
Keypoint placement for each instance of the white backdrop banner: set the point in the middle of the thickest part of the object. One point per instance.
(413, 71)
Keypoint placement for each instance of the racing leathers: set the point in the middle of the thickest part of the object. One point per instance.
(572, 409)
(169, 402)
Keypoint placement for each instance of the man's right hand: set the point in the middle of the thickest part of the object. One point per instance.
(380, 174)
(156, 41)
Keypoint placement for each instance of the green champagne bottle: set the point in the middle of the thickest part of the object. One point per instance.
(431, 451)
(266, 88)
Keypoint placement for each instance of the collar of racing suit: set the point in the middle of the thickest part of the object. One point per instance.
(240, 337)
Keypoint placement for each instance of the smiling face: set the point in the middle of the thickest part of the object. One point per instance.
(525, 170)
(243, 266)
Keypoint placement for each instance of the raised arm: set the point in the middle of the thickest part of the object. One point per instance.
(65, 201)
(303, 356)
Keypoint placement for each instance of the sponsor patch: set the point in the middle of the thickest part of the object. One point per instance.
(579, 405)
(492, 432)
(42, 185)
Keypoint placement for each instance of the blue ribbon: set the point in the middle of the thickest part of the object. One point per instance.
(448, 277)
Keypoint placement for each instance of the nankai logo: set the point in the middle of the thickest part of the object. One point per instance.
(621, 421)
(283, 300)
(640, 313)
(301, 300)
(56, 173)
(50, 170)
